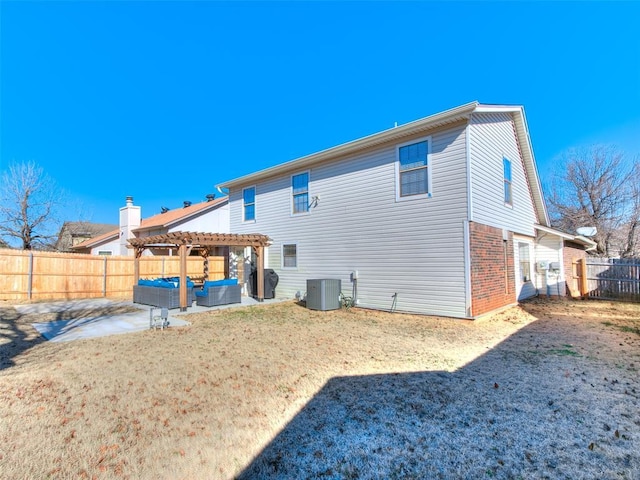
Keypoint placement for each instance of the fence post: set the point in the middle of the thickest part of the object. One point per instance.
(30, 277)
(584, 281)
(104, 278)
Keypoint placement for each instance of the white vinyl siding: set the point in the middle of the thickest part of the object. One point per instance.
(413, 249)
(492, 138)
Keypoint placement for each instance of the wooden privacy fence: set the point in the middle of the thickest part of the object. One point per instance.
(610, 278)
(35, 275)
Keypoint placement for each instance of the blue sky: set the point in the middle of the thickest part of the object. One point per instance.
(164, 100)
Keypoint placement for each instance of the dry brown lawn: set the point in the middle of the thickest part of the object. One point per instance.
(546, 390)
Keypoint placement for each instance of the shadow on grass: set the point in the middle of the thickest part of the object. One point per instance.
(519, 411)
(18, 335)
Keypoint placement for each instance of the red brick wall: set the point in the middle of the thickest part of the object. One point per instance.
(492, 276)
(571, 255)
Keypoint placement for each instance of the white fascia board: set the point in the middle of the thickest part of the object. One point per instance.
(448, 116)
(498, 108)
(553, 231)
(590, 244)
(587, 242)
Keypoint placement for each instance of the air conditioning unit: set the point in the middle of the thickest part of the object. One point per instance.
(324, 293)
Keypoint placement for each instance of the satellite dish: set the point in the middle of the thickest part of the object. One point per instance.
(587, 231)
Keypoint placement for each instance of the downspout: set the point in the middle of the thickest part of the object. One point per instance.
(466, 228)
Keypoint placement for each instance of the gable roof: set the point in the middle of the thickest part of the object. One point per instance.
(453, 115)
(177, 215)
(161, 220)
(80, 229)
(92, 242)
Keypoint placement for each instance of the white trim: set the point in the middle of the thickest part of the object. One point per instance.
(429, 168)
(291, 212)
(467, 134)
(282, 255)
(255, 201)
(553, 231)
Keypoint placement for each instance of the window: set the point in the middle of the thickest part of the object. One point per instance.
(412, 169)
(249, 204)
(525, 262)
(508, 198)
(300, 192)
(289, 255)
(105, 252)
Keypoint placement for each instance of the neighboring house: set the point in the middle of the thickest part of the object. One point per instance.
(74, 233)
(211, 216)
(444, 215)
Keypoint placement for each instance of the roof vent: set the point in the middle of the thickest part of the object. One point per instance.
(187, 203)
(211, 197)
(164, 209)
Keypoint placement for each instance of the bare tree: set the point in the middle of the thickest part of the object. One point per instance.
(598, 187)
(28, 201)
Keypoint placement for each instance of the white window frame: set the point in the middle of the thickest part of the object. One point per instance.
(105, 253)
(286, 244)
(292, 212)
(508, 181)
(531, 259)
(255, 198)
(429, 167)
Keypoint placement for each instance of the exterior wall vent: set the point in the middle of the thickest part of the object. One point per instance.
(324, 294)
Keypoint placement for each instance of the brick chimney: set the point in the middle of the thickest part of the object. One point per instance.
(130, 217)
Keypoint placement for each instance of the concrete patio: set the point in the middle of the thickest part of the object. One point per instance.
(109, 324)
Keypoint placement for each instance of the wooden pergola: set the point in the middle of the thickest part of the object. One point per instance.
(186, 241)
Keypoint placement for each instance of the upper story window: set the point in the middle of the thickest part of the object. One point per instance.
(413, 170)
(508, 196)
(300, 192)
(249, 204)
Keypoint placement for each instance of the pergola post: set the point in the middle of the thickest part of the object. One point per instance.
(205, 252)
(136, 265)
(183, 277)
(260, 273)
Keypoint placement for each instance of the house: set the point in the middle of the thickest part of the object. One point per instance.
(74, 233)
(211, 215)
(444, 215)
